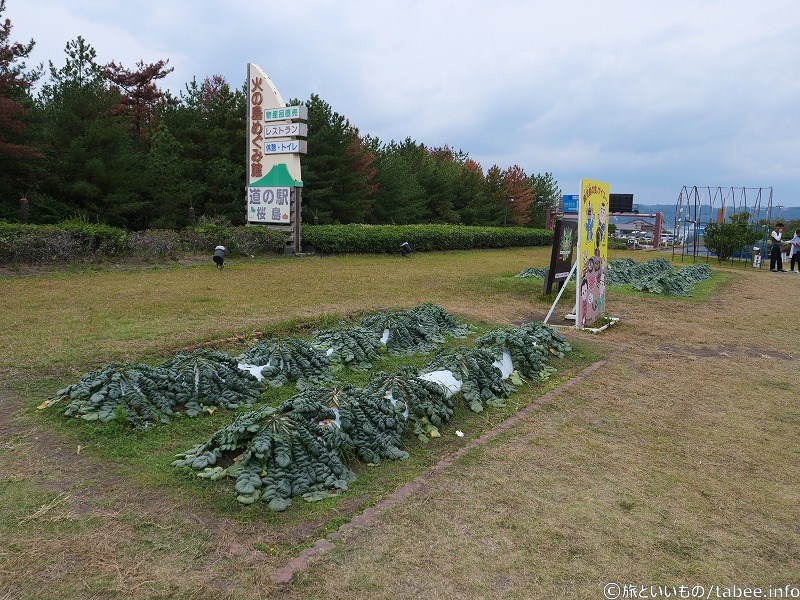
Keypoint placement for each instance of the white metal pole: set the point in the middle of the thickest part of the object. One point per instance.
(561, 291)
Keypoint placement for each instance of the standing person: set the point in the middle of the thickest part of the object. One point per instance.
(219, 256)
(775, 254)
(795, 251)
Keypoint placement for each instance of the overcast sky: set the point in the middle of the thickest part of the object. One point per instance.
(647, 95)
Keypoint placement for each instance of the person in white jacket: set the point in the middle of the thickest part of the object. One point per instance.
(219, 256)
(794, 253)
(775, 259)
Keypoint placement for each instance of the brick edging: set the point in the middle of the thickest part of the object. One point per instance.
(322, 545)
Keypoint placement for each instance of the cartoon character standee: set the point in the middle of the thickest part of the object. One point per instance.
(584, 302)
(566, 243)
(589, 223)
(601, 226)
(601, 291)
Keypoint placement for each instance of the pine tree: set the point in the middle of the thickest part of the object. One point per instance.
(207, 121)
(92, 167)
(547, 196)
(398, 198)
(139, 95)
(167, 184)
(18, 154)
(338, 171)
(518, 186)
(496, 193)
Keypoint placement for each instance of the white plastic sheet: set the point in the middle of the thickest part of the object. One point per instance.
(506, 366)
(254, 370)
(446, 378)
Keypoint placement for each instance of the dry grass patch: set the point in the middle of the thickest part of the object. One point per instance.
(670, 466)
(677, 463)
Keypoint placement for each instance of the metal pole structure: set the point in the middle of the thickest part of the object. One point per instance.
(506, 201)
(298, 220)
(561, 291)
(657, 230)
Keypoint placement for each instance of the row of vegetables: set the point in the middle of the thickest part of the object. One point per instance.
(656, 276)
(299, 449)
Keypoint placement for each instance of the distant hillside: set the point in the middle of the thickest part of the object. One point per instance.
(786, 213)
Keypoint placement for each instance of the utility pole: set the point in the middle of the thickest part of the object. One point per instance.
(506, 201)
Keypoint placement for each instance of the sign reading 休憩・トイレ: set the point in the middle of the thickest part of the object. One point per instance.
(285, 147)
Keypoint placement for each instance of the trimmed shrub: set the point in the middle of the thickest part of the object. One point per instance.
(239, 241)
(72, 240)
(96, 238)
(250, 241)
(76, 240)
(37, 244)
(333, 239)
(153, 244)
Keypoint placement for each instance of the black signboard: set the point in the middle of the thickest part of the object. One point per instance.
(620, 203)
(565, 237)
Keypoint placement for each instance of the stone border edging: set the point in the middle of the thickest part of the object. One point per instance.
(322, 545)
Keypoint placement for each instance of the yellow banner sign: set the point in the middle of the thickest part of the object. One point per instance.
(592, 251)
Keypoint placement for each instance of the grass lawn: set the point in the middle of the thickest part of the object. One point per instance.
(677, 463)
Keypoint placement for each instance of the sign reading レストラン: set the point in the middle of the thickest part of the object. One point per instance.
(281, 130)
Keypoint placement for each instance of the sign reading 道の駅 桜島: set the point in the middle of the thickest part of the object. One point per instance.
(274, 145)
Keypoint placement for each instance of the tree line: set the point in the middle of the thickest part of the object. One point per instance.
(103, 142)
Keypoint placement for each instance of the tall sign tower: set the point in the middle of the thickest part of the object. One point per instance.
(276, 137)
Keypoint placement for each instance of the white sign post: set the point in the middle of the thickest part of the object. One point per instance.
(275, 142)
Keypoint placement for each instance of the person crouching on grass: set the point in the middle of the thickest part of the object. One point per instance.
(219, 256)
(795, 251)
(775, 253)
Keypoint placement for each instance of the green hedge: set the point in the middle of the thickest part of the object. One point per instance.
(76, 240)
(422, 238)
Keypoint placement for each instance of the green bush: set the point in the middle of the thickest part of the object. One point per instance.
(77, 240)
(153, 244)
(614, 244)
(37, 244)
(67, 241)
(726, 239)
(97, 238)
(335, 239)
(240, 241)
